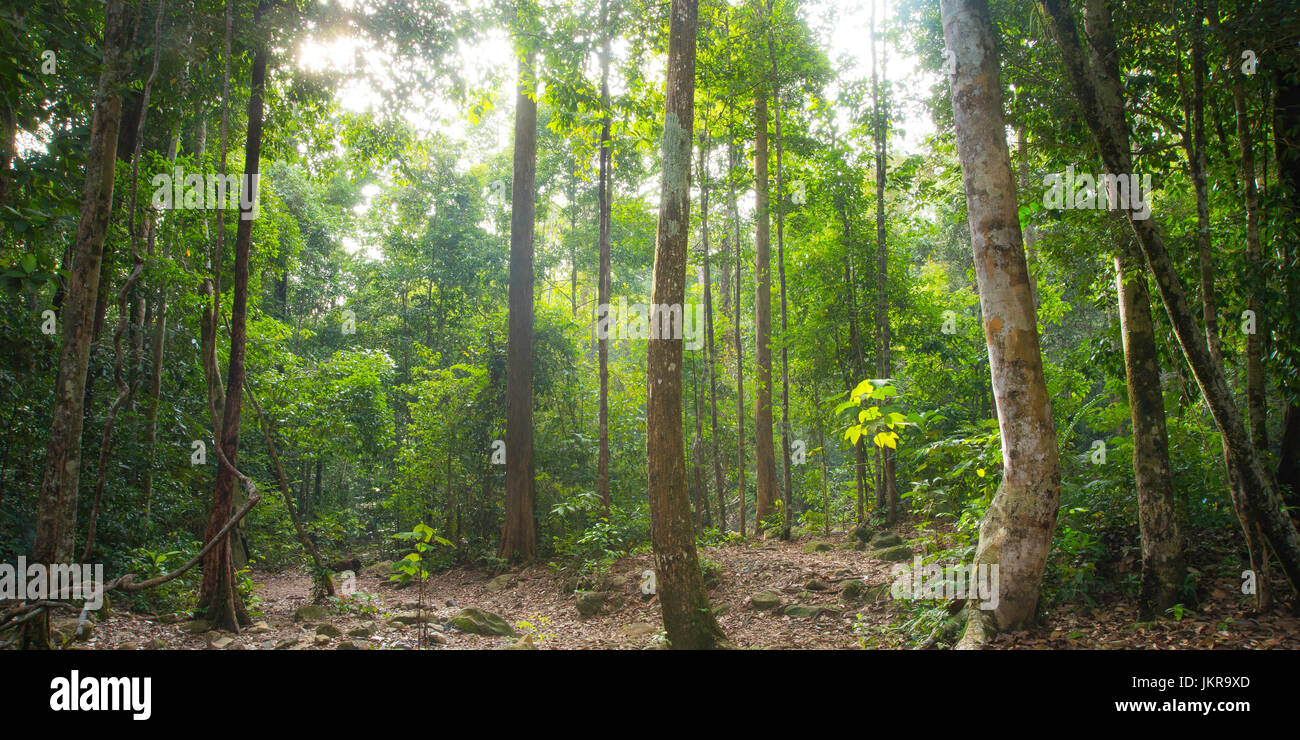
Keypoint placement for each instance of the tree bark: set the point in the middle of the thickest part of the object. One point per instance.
(764, 452)
(1016, 533)
(688, 620)
(219, 598)
(888, 490)
(603, 206)
(56, 516)
(519, 537)
(780, 268)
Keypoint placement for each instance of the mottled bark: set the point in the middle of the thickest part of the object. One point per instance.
(688, 621)
(1016, 532)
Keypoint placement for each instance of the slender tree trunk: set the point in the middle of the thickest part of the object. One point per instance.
(688, 620)
(764, 452)
(56, 515)
(1251, 485)
(710, 351)
(1162, 546)
(780, 268)
(219, 599)
(519, 538)
(603, 197)
(887, 491)
(855, 362)
(740, 357)
(1016, 533)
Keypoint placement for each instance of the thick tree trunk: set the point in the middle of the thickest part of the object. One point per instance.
(519, 537)
(1251, 485)
(56, 515)
(740, 357)
(1016, 533)
(688, 620)
(219, 599)
(780, 269)
(764, 453)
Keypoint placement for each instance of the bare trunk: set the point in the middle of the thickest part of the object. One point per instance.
(688, 620)
(764, 454)
(1016, 533)
(519, 538)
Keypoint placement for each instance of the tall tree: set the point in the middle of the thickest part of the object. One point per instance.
(764, 453)
(1016, 533)
(603, 197)
(688, 620)
(519, 537)
(780, 269)
(219, 599)
(56, 517)
(887, 493)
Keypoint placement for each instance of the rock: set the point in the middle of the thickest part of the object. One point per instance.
(853, 590)
(765, 600)
(310, 613)
(500, 583)
(128, 646)
(803, 610)
(451, 602)
(268, 645)
(286, 643)
(347, 645)
(523, 643)
(817, 584)
(812, 547)
(156, 643)
(638, 628)
(898, 553)
(863, 533)
(196, 626)
(400, 646)
(363, 632)
(613, 582)
(237, 646)
(321, 640)
(721, 609)
(436, 638)
(590, 602)
(859, 546)
(258, 628)
(222, 642)
(885, 539)
(712, 573)
(412, 617)
(329, 630)
(806, 595)
(170, 618)
(353, 564)
(382, 569)
(479, 622)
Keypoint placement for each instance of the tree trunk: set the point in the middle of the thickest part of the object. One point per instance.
(780, 268)
(688, 620)
(1016, 533)
(56, 516)
(519, 537)
(219, 599)
(1162, 546)
(888, 487)
(603, 197)
(710, 351)
(1249, 482)
(764, 452)
(740, 357)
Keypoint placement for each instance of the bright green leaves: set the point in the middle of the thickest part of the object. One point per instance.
(878, 422)
(413, 564)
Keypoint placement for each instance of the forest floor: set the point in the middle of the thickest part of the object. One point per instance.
(628, 619)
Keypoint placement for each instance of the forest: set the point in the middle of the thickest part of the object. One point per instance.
(649, 324)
